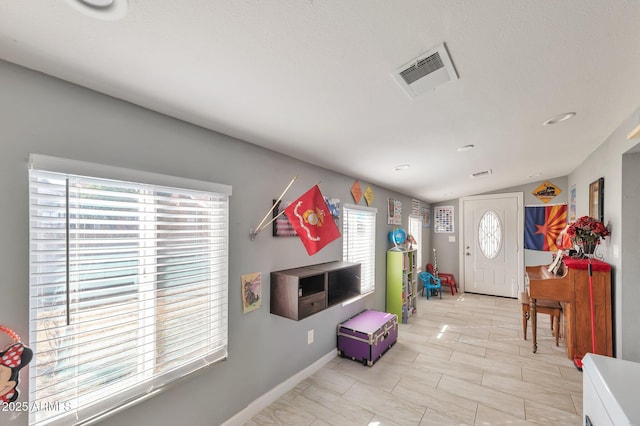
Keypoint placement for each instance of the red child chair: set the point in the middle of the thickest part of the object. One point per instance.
(445, 279)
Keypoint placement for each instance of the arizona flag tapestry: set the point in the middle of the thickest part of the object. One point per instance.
(310, 217)
(542, 226)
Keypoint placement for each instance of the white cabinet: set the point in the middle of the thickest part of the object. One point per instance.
(610, 389)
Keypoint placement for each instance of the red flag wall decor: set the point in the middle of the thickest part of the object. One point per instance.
(310, 217)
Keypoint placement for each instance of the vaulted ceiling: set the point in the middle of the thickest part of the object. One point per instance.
(313, 79)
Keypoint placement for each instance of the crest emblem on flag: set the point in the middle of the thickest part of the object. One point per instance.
(311, 218)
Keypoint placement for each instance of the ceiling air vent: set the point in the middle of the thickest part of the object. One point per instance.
(481, 174)
(426, 72)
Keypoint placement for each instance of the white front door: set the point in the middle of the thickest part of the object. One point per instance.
(492, 244)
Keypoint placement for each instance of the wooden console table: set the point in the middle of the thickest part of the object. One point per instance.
(572, 291)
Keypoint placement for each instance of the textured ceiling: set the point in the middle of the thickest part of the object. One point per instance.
(312, 79)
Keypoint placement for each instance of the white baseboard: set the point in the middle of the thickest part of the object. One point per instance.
(268, 398)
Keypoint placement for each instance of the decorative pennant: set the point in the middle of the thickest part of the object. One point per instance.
(546, 192)
(356, 191)
(311, 218)
(368, 195)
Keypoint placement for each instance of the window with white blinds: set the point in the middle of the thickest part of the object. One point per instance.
(415, 229)
(359, 243)
(128, 286)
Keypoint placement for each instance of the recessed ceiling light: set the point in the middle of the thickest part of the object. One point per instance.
(535, 175)
(401, 167)
(559, 118)
(465, 148)
(101, 9)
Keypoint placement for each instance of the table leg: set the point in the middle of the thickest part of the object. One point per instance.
(534, 325)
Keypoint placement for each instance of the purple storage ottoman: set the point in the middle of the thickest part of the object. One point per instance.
(366, 336)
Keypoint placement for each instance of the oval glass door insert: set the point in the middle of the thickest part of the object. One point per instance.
(490, 234)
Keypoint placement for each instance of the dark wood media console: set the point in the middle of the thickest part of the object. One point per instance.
(300, 292)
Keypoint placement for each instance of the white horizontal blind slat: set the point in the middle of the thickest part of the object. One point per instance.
(415, 230)
(358, 242)
(126, 176)
(147, 290)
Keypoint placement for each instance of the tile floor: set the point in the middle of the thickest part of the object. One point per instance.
(461, 360)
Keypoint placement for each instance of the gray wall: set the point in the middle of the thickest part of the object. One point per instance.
(623, 245)
(629, 266)
(448, 251)
(615, 160)
(535, 257)
(39, 114)
(44, 115)
(446, 244)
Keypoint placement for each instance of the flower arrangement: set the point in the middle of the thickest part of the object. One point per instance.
(587, 230)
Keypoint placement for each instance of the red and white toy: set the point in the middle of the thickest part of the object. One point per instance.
(12, 359)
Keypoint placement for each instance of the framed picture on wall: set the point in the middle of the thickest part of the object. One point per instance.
(426, 217)
(443, 221)
(596, 199)
(572, 204)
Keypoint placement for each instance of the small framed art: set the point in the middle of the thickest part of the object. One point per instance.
(596, 199)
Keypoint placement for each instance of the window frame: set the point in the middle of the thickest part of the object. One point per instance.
(355, 250)
(414, 227)
(214, 280)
